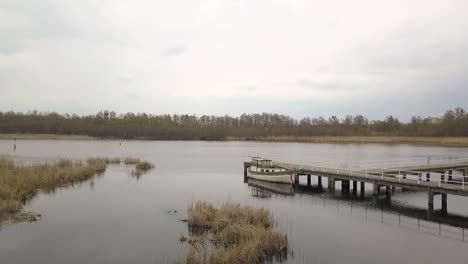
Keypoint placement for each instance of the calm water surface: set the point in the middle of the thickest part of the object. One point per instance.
(120, 219)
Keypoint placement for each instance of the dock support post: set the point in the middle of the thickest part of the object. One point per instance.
(404, 177)
(331, 184)
(450, 175)
(354, 187)
(296, 179)
(245, 173)
(320, 182)
(444, 203)
(308, 179)
(345, 186)
(363, 189)
(428, 176)
(388, 190)
(430, 203)
(376, 189)
(393, 189)
(464, 178)
(388, 194)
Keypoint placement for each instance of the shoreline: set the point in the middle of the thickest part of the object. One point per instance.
(438, 141)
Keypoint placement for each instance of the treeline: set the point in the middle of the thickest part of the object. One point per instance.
(247, 126)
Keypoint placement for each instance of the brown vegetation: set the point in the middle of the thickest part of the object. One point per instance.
(108, 124)
(18, 183)
(232, 234)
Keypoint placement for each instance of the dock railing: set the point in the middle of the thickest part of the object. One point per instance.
(391, 173)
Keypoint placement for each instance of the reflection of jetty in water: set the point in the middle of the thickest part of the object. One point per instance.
(266, 189)
(373, 208)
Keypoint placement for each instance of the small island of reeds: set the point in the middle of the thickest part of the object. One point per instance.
(232, 234)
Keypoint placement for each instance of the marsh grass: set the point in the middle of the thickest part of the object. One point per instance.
(20, 183)
(238, 234)
(141, 166)
(129, 160)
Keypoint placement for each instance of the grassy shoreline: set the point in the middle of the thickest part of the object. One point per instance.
(45, 136)
(438, 141)
(21, 183)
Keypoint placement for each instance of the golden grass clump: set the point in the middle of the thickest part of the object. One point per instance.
(141, 166)
(238, 234)
(113, 160)
(20, 183)
(131, 160)
(144, 166)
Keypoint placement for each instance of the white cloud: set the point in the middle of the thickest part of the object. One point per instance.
(146, 55)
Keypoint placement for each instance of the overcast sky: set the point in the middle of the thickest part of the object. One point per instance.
(301, 58)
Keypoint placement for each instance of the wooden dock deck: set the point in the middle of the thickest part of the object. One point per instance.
(444, 175)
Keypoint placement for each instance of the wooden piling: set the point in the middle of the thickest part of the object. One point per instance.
(331, 183)
(444, 203)
(430, 203)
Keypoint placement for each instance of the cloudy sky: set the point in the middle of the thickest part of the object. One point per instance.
(302, 58)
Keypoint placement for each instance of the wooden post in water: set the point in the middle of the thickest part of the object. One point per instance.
(331, 184)
(430, 203)
(363, 188)
(354, 187)
(245, 172)
(444, 203)
(308, 179)
(345, 186)
(376, 189)
(404, 177)
(319, 182)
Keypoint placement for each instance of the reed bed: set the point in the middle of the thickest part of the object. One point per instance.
(20, 183)
(232, 234)
(129, 161)
(141, 166)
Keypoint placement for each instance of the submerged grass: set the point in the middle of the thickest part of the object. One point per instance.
(238, 234)
(20, 183)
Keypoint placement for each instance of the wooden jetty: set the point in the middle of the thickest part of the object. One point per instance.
(432, 175)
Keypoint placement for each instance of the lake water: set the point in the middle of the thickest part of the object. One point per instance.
(117, 218)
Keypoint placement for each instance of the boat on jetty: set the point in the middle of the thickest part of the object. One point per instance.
(265, 170)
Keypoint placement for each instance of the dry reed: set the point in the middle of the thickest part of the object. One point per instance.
(239, 234)
(20, 183)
